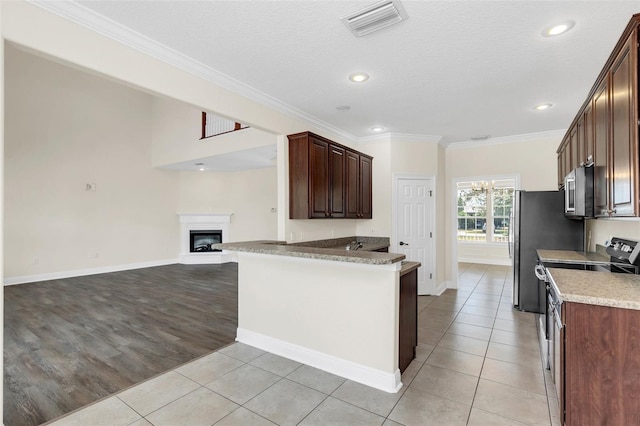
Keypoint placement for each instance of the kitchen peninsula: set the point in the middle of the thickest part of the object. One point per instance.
(337, 305)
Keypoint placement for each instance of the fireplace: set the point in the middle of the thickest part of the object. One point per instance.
(198, 231)
(200, 241)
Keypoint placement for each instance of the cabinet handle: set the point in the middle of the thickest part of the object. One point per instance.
(402, 243)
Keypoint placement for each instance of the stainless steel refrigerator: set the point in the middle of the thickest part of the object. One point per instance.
(538, 222)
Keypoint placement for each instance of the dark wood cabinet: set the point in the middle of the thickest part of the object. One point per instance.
(326, 179)
(573, 145)
(353, 184)
(408, 337)
(366, 187)
(600, 365)
(588, 147)
(337, 172)
(564, 160)
(318, 178)
(624, 130)
(606, 127)
(601, 158)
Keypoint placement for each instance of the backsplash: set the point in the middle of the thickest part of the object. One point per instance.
(600, 230)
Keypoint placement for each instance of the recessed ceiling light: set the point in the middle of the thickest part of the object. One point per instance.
(343, 108)
(201, 169)
(359, 77)
(542, 107)
(558, 29)
(377, 129)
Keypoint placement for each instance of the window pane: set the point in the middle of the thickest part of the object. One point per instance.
(472, 213)
(502, 201)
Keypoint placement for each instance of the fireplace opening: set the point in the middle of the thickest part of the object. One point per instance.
(201, 241)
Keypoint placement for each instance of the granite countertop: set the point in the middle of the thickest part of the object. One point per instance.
(323, 249)
(597, 288)
(570, 256)
(368, 243)
(408, 266)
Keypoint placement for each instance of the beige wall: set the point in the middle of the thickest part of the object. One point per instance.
(398, 155)
(2, 102)
(249, 195)
(531, 157)
(601, 230)
(176, 135)
(65, 129)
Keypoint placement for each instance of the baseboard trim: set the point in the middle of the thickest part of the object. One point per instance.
(206, 258)
(84, 272)
(440, 288)
(353, 371)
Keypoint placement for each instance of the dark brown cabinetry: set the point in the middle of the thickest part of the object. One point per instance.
(607, 129)
(600, 365)
(408, 336)
(624, 131)
(327, 180)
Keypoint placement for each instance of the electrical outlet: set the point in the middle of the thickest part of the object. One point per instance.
(36, 260)
(274, 210)
(91, 187)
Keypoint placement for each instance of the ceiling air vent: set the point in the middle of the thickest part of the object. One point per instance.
(375, 17)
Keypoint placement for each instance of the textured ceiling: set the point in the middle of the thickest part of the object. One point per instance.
(455, 69)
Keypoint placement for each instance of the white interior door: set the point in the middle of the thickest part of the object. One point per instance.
(414, 233)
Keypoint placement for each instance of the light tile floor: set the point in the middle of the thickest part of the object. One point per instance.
(477, 363)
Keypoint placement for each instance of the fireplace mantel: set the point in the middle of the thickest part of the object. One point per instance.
(200, 222)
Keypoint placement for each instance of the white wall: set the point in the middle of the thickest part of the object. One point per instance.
(65, 129)
(249, 195)
(531, 157)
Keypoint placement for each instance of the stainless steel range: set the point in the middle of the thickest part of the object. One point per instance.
(619, 256)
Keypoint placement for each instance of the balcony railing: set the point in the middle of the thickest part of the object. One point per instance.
(213, 125)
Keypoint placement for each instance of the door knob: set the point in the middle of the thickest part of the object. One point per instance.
(402, 243)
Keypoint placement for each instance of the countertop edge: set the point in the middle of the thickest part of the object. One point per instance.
(279, 248)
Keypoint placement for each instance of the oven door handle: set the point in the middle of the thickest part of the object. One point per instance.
(540, 272)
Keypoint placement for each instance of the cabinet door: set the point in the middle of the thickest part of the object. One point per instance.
(366, 177)
(624, 161)
(602, 365)
(337, 164)
(587, 138)
(573, 145)
(353, 184)
(582, 158)
(318, 178)
(560, 177)
(601, 150)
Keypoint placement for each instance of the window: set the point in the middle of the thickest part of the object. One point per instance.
(484, 210)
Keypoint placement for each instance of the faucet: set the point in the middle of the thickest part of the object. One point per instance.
(354, 245)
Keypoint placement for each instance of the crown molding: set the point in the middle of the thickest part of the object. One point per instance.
(526, 137)
(104, 26)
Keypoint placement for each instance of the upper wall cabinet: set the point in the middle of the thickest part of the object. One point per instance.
(327, 180)
(605, 131)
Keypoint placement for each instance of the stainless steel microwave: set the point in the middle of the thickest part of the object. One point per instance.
(578, 193)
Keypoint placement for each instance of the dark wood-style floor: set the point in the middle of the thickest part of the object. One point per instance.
(70, 342)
